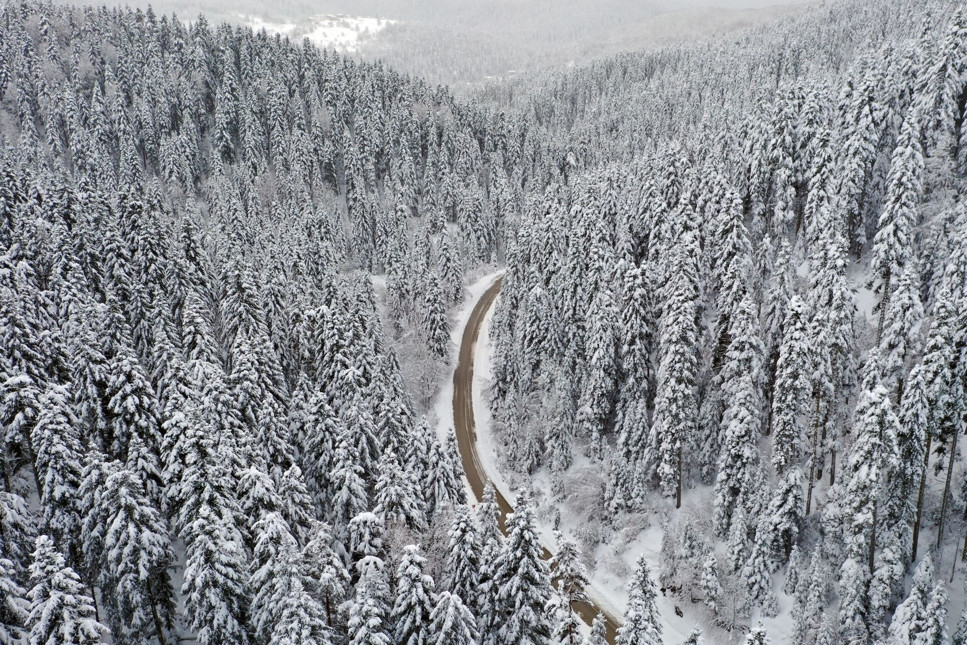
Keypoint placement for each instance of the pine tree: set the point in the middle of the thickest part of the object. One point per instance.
(326, 577)
(901, 338)
(785, 516)
(887, 578)
(297, 507)
(710, 585)
(444, 483)
(596, 406)
(569, 580)
(756, 575)
(913, 443)
(13, 604)
(398, 500)
(791, 391)
(369, 609)
(674, 418)
(137, 556)
(451, 623)
(60, 612)
(757, 636)
(893, 244)
(808, 612)
(273, 580)
(215, 589)
(910, 618)
(415, 600)
(522, 581)
(854, 577)
(57, 450)
(738, 480)
(464, 556)
(934, 628)
(642, 625)
(872, 459)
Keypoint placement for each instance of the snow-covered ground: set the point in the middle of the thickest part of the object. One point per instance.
(339, 32)
(613, 562)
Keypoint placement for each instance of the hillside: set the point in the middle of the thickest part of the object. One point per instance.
(725, 370)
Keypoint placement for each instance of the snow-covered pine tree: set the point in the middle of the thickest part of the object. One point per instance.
(325, 574)
(523, 582)
(791, 389)
(596, 405)
(14, 606)
(642, 624)
(910, 618)
(674, 418)
(893, 243)
(757, 636)
(415, 600)
(739, 477)
(569, 581)
(710, 584)
(61, 612)
(756, 573)
(216, 576)
(369, 608)
(451, 623)
(398, 500)
(464, 557)
(137, 556)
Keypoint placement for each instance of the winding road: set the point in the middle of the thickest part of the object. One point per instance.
(467, 438)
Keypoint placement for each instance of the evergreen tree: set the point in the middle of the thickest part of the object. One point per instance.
(738, 480)
(791, 391)
(325, 574)
(756, 575)
(13, 607)
(522, 581)
(757, 636)
(215, 589)
(596, 406)
(451, 623)
(569, 580)
(415, 600)
(369, 609)
(398, 500)
(464, 555)
(642, 624)
(910, 618)
(675, 398)
(60, 612)
(893, 244)
(274, 578)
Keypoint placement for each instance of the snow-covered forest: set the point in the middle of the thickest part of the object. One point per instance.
(728, 360)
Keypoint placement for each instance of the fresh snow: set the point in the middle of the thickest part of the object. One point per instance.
(340, 32)
(612, 563)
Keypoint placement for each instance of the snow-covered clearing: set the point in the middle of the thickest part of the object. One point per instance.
(340, 32)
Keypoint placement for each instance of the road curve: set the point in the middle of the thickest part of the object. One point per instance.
(467, 437)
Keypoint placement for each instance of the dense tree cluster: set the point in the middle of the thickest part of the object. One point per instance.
(760, 291)
(195, 380)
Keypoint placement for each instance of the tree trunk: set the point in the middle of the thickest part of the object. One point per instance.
(873, 539)
(946, 488)
(678, 486)
(157, 624)
(822, 441)
(923, 485)
(832, 468)
(884, 302)
(812, 461)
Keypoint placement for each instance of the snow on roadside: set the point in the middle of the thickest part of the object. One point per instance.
(614, 562)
